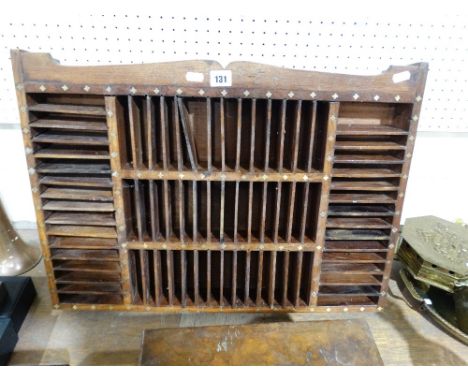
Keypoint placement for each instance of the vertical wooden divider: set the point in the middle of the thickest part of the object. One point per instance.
(305, 204)
(155, 233)
(209, 154)
(250, 200)
(332, 117)
(264, 203)
(236, 202)
(223, 201)
(280, 156)
(291, 198)
(180, 202)
(115, 124)
(135, 124)
(167, 199)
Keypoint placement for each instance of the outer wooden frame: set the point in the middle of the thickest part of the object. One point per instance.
(38, 72)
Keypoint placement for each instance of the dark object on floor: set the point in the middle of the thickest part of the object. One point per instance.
(341, 342)
(20, 295)
(434, 254)
(8, 340)
(437, 303)
(2, 293)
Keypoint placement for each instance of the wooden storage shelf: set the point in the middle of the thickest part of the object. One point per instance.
(350, 129)
(90, 181)
(67, 109)
(81, 218)
(71, 168)
(78, 206)
(154, 193)
(77, 194)
(70, 125)
(85, 255)
(71, 154)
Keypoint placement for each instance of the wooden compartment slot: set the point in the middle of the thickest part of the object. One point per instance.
(87, 266)
(172, 133)
(67, 109)
(281, 192)
(67, 124)
(352, 184)
(77, 181)
(74, 139)
(358, 223)
(70, 167)
(93, 195)
(222, 211)
(85, 255)
(81, 231)
(353, 257)
(216, 287)
(357, 210)
(71, 146)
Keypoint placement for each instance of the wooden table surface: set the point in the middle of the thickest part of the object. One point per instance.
(315, 343)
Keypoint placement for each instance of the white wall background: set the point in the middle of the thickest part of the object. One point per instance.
(296, 35)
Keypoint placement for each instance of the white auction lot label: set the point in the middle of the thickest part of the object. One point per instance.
(220, 78)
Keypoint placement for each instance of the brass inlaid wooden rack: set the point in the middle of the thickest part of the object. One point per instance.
(153, 192)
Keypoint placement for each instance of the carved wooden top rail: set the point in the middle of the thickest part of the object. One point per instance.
(39, 69)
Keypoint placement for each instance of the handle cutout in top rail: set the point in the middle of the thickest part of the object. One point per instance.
(401, 77)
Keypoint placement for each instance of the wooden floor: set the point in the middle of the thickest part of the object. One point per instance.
(50, 337)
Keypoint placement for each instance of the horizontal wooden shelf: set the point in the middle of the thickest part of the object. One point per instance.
(348, 279)
(94, 301)
(98, 182)
(92, 195)
(353, 257)
(228, 245)
(69, 125)
(351, 129)
(79, 139)
(72, 154)
(82, 231)
(89, 289)
(228, 175)
(378, 185)
(85, 254)
(74, 168)
(357, 210)
(78, 206)
(367, 159)
(352, 268)
(363, 198)
(82, 243)
(103, 278)
(68, 109)
(368, 145)
(81, 218)
(356, 246)
(358, 223)
(357, 290)
(87, 266)
(356, 234)
(365, 173)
